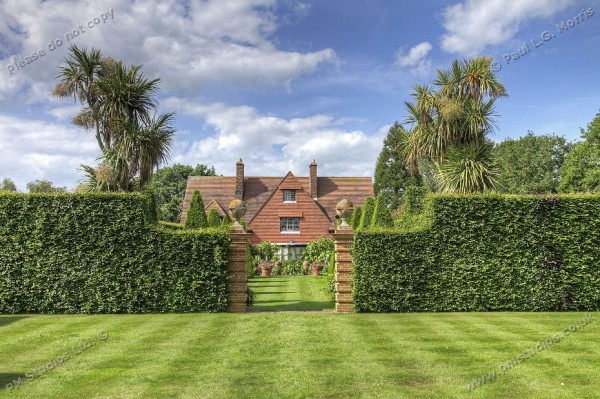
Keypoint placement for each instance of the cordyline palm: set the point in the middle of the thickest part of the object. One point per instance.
(467, 169)
(458, 113)
(125, 97)
(144, 147)
(78, 79)
(119, 103)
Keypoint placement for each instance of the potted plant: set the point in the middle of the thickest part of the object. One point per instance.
(265, 268)
(265, 252)
(317, 253)
(316, 268)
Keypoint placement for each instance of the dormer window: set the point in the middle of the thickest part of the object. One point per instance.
(289, 195)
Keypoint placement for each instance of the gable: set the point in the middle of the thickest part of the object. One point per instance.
(213, 204)
(314, 221)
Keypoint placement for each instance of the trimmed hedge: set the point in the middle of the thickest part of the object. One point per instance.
(484, 253)
(103, 253)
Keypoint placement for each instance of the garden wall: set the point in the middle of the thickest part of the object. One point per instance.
(104, 253)
(484, 252)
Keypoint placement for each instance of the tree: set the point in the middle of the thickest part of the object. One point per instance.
(392, 175)
(580, 171)
(367, 214)
(456, 114)
(226, 220)
(382, 216)
(119, 103)
(196, 217)
(213, 219)
(169, 184)
(79, 80)
(8, 185)
(530, 164)
(44, 186)
(355, 218)
(469, 168)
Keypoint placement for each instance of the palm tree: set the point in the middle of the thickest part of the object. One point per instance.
(125, 96)
(78, 79)
(457, 113)
(144, 147)
(468, 169)
(119, 102)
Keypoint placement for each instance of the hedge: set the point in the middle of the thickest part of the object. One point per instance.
(103, 253)
(484, 253)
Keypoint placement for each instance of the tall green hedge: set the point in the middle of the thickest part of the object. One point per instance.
(104, 253)
(485, 252)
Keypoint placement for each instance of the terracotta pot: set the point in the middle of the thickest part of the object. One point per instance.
(315, 271)
(266, 272)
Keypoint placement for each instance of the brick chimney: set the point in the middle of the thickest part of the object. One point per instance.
(312, 179)
(239, 180)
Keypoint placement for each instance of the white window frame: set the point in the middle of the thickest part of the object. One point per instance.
(289, 196)
(289, 225)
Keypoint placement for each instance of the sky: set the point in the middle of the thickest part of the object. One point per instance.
(281, 82)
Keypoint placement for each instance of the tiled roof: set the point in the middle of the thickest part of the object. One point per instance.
(258, 189)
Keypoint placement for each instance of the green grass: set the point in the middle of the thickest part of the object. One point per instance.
(299, 355)
(291, 293)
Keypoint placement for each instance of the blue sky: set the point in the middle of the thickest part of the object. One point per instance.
(279, 83)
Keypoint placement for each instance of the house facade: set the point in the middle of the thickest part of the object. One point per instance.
(289, 211)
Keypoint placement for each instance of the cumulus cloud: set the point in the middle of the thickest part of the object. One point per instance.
(34, 149)
(474, 24)
(417, 58)
(272, 145)
(187, 44)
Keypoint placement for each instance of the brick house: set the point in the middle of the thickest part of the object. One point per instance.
(289, 211)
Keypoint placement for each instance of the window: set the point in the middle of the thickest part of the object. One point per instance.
(289, 195)
(289, 225)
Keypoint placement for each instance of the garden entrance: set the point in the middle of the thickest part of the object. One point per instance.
(322, 282)
(291, 293)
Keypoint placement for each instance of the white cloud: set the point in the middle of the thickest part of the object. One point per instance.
(271, 145)
(34, 149)
(475, 24)
(417, 58)
(187, 44)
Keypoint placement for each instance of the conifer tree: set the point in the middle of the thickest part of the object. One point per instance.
(196, 217)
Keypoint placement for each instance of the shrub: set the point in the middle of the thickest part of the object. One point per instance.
(412, 200)
(226, 221)
(265, 250)
(320, 250)
(170, 226)
(213, 218)
(250, 262)
(331, 277)
(196, 217)
(100, 253)
(382, 216)
(367, 214)
(292, 267)
(484, 252)
(355, 219)
(251, 296)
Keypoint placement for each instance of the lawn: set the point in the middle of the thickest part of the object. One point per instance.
(291, 293)
(297, 355)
